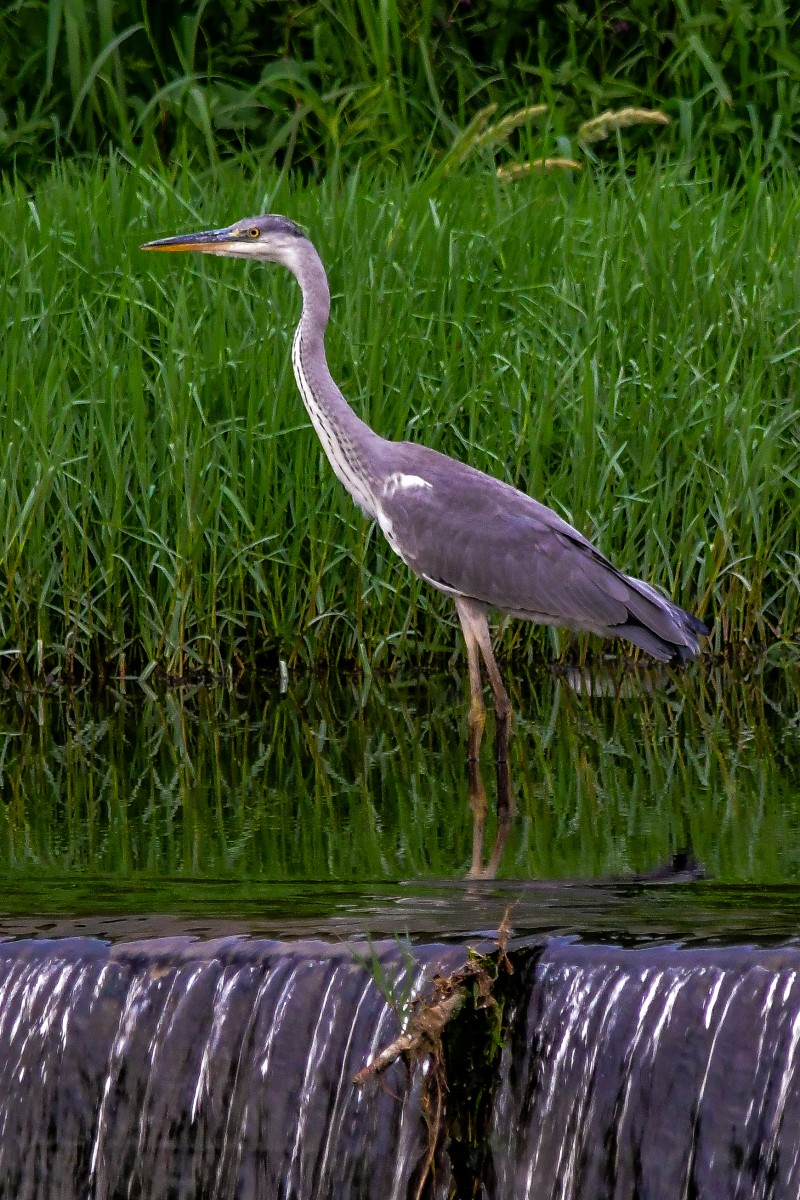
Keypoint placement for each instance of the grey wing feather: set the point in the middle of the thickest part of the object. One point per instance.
(475, 536)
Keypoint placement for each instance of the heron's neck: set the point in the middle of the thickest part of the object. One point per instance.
(345, 438)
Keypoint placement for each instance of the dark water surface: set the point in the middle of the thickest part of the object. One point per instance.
(703, 913)
(344, 781)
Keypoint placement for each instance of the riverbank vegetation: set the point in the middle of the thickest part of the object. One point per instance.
(622, 343)
(562, 246)
(307, 83)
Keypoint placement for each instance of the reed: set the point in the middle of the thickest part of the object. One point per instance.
(621, 344)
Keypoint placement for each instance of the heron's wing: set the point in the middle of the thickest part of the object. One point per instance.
(474, 536)
(515, 561)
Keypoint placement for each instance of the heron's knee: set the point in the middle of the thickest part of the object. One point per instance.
(477, 721)
(477, 716)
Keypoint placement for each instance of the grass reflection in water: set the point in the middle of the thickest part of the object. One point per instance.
(348, 781)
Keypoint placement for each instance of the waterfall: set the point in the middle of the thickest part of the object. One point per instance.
(222, 1069)
(658, 1072)
(209, 1070)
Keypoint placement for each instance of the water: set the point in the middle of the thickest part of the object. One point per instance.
(656, 1072)
(652, 1028)
(170, 1068)
(614, 911)
(353, 781)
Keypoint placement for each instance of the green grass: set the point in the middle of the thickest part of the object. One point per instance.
(624, 347)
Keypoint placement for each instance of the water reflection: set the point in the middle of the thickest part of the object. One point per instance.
(353, 780)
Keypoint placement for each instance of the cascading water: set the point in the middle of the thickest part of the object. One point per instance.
(220, 1069)
(661, 1073)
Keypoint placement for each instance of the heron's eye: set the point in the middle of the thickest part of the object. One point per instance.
(254, 231)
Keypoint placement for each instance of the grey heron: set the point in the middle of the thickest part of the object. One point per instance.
(479, 540)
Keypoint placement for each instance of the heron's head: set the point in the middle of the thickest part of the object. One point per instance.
(268, 239)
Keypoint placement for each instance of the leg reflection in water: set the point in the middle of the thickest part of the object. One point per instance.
(476, 635)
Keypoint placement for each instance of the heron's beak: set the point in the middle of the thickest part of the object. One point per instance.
(213, 241)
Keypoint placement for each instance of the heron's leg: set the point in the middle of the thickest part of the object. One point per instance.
(476, 630)
(502, 704)
(476, 723)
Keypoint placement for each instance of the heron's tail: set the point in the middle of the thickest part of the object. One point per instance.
(660, 627)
